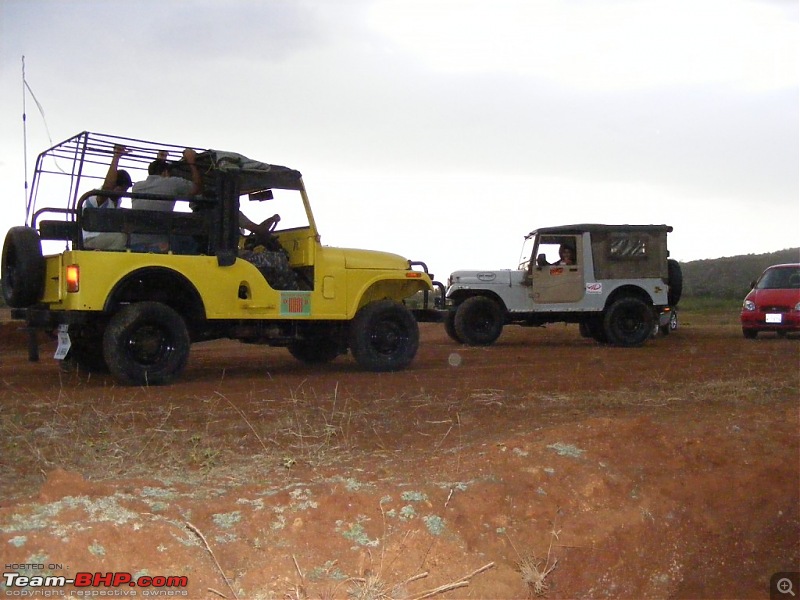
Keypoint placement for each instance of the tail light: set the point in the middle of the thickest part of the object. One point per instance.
(73, 278)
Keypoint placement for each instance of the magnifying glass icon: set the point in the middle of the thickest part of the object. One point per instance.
(784, 586)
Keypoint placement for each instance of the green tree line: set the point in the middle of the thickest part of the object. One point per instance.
(730, 277)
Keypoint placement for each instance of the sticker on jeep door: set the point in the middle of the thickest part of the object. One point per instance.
(296, 303)
(594, 288)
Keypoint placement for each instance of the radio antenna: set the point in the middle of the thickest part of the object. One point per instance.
(25, 138)
(27, 88)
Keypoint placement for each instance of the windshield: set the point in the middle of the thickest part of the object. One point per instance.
(781, 278)
(527, 252)
(286, 203)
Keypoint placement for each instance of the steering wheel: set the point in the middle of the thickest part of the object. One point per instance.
(272, 222)
(262, 234)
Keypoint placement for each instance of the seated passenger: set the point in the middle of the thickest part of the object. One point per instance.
(566, 255)
(117, 180)
(161, 182)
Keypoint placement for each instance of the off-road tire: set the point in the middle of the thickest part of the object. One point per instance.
(23, 267)
(675, 282)
(384, 336)
(628, 322)
(146, 343)
(450, 326)
(479, 321)
(315, 351)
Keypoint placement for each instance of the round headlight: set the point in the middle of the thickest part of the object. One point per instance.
(749, 305)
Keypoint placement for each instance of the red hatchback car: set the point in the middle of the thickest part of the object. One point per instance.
(774, 302)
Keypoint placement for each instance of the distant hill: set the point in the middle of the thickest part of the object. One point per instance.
(730, 277)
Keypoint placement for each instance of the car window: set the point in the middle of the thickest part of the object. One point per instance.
(287, 203)
(785, 278)
(551, 246)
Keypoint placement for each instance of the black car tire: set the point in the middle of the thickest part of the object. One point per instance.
(384, 336)
(146, 343)
(479, 321)
(23, 267)
(750, 334)
(629, 322)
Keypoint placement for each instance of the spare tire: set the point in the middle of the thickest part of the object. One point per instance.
(22, 267)
(674, 281)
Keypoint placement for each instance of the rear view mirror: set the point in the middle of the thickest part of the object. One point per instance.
(261, 196)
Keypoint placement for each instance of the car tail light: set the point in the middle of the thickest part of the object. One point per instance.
(73, 278)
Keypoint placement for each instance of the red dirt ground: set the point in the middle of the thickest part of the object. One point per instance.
(666, 471)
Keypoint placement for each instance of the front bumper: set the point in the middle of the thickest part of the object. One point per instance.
(771, 321)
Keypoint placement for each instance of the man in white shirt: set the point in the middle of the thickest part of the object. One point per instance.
(117, 180)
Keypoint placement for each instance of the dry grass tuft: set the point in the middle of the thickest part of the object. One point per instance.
(534, 570)
(370, 587)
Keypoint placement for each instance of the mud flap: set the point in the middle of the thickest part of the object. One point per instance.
(64, 342)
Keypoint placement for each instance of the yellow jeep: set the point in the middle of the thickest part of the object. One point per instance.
(137, 309)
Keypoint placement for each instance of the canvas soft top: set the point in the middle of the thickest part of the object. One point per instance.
(598, 228)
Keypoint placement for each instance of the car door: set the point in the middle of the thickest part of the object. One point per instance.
(552, 281)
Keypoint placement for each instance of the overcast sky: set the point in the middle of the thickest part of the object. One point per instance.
(442, 130)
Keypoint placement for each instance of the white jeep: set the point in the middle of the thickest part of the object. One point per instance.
(618, 284)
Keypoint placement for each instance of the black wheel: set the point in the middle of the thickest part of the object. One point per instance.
(450, 326)
(629, 322)
(479, 321)
(750, 334)
(315, 351)
(146, 343)
(384, 336)
(22, 267)
(675, 282)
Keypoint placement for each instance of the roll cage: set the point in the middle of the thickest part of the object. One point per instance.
(68, 173)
